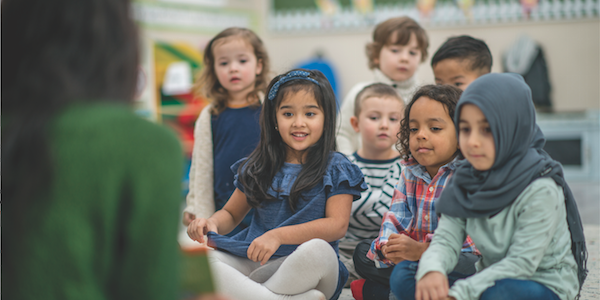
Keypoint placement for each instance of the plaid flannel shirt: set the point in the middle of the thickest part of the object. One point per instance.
(412, 211)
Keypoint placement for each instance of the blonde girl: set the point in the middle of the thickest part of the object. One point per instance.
(301, 191)
(234, 78)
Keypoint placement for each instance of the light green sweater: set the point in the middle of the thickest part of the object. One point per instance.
(527, 240)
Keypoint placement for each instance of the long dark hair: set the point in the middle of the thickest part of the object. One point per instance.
(56, 53)
(256, 175)
(209, 86)
(446, 94)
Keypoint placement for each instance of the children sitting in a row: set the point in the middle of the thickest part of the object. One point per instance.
(301, 189)
(429, 150)
(511, 198)
(458, 62)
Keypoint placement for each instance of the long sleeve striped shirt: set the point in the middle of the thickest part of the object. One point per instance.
(412, 211)
(367, 212)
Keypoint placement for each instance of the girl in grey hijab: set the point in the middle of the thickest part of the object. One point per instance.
(511, 197)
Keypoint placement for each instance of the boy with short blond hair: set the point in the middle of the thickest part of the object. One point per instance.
(399, 46)
(377, 113)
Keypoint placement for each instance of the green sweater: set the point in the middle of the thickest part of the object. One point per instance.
(107, 227)
(527, 240)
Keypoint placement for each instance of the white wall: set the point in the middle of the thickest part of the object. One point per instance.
(572, 51)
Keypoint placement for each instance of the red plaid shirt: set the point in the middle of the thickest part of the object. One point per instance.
(412, 211)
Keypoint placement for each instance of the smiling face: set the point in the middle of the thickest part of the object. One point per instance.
(456, 72)
(300, 122)
(399, 62)
(432, 139)
(475, 138)
(236, 65)
(378, 124)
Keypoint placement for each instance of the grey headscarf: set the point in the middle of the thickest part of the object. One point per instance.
(505, 100)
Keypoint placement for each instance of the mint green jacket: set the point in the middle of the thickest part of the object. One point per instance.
(528, 240)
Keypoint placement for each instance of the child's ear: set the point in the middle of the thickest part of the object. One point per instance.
(259, 67)
(354, 123)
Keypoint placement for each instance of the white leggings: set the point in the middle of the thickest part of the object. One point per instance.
(310, 272)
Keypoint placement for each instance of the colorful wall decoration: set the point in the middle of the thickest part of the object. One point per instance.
(176, 66)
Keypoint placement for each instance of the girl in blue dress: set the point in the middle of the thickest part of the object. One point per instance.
(302, 192)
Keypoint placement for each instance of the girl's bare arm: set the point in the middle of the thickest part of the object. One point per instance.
(222, 221)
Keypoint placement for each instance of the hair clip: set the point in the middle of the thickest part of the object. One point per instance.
(289, 76)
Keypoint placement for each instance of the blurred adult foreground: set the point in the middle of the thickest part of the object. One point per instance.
(90, 191)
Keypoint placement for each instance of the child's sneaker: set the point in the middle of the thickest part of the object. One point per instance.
(357, 288)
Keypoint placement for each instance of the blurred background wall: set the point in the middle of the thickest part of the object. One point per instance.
(572, 53)
(571, 44)
(571, 48)
(296, 32)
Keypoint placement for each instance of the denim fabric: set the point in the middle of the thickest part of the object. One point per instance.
(514, 289)
(402, 281)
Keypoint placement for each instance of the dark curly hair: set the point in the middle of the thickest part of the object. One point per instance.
(446, 94)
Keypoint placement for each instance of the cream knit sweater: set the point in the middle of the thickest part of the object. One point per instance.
(200, 198)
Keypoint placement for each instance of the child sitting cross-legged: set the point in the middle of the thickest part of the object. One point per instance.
(377, 116)
(429, 148)
(301, 191)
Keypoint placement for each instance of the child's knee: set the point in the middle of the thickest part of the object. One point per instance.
(517, 289)
(319, 246)
(402, 280)
(316, 253)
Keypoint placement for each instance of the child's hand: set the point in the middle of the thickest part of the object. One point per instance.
(188, 218)
(198, 228)
(433, 286)
(263, 247)
(402, 247)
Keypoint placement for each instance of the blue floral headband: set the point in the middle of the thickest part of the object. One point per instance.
(289, 76)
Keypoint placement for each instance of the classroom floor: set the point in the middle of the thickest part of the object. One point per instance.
(587, 195)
